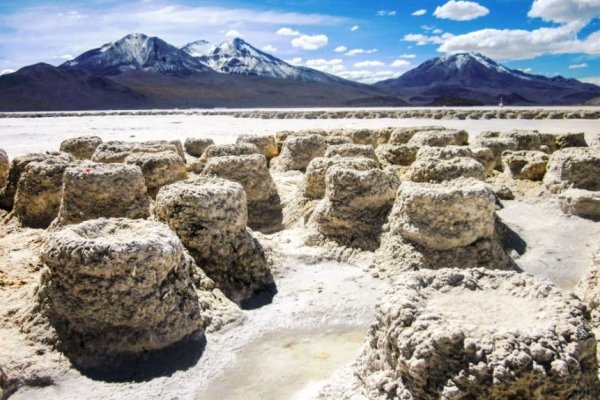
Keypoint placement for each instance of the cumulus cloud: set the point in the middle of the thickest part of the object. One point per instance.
(294, 61)
(355, 52)
(307, 42)
(233, 34)
(400, 63)
(420, 40)
(408, 56)
(385, 13)
(564, 11)
(269, 48)
(419, 13)
(461, 10)
(332, 66)
(340, 49)
(355, 28)
(367, 64)
(591, 79)
(287, 32)
(369, 76)
(578, 66)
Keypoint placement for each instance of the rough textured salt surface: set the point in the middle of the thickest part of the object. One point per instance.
(297, 152)
(196, 146)
(82, 148)
(314, 183)
(159, 169)
(4, 167)
(392, 154)
(119, 286)
(222, 150)
(266, 144)
(456, 334)
(351, 150)
(439, 170)
(530, 165)
(118, 151)
(583, 203)
(576, 167)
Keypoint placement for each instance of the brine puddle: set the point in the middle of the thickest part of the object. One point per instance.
(286, 365)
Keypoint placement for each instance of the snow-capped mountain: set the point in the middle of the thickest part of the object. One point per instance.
(237, 57)
(473, 76)
(137, 52)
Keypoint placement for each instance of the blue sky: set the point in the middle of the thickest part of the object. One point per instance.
(361, 40)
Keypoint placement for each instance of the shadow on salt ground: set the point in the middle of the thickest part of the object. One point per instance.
(511, 240)
(260, 299)
(143, 368)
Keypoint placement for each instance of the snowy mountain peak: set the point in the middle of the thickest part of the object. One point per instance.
(460, 60)
(199, 48)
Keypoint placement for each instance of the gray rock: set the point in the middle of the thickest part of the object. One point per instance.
(159, 169)
(583, 203)
(351, 150)
(576, 167)
(528, 165)
(393, 154)
(196, 146)
(82, 148)
(266, 144)
(298, 151)
(314, 181)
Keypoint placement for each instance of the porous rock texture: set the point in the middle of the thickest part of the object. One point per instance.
(528, 165)
(355, 206)
(588, 289)
(372, 137)
(583, 203)
(576, 167)
(266, 144)
(39, 192)
(440, 138)
(18, 166)
(351, 150)
(82, 148)
(438, 225)
(403, 135)
(444, 153)
(222, 150)
(314, 181)
(573, 139)
(4, 168)
(196, 146)
(297, 152)
(265, 211)
(92, 190)
(117, 287)
(439, 170)
(118, 151)
(486, 157)
(498, 145)
(396, 154)
(210, 216)
(159, 169)
(478, 334)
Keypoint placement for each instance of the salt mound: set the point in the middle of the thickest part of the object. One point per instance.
(576, 167)
(159, 169)
(265, 144)
(298, 151)
(82, 148)
(196, 146)
(314, 183)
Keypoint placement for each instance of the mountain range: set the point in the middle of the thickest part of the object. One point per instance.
(139, 71)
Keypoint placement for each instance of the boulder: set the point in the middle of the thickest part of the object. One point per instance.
(576, 167)
(4, 168)
(478, 334)
(566, 140)
(441, 138)
(439, 170)
(82, 148)
(355, 206)
(120, 287)
(298, 151)
(525, 140)
(266, 144)
(403, 135)
(528, 165)
(314, 182)
(351, 150)
(159, 169)
(264, 205)
(18, 166)
(118, 151)
(39, 192)
(222, 150)
(497, 145)
(196, 146)
(210, 216)
(583, 203)
(486, 157)
(393, 154)
(157, 146)
(92, 191)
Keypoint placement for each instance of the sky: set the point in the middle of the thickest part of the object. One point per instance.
(363, 40)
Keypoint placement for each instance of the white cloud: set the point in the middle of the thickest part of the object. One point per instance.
(294, 61)
(368, 76)
(269, 49)
(7, 71)
(421, 40)
(307, 42)
(437, 31)
(331, 66)
(427, 27)
(578, 66)
(287, 32)
(400, 63)
(392, 13)
(340, 49)
(461, 10)
(355, 52)
(526, 70)
(367, 64)
(355, 28)
(419, 13)
(591, 79)
(231, 34)
(408, 56)
(385, 13)
(564, 11)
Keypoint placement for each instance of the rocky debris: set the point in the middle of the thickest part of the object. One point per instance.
(583, 203)
(92, 191)
(393, 154)
(298, 151)
(196, 146)
(18, 166)
(159, 169)
(503, 192)
(478, 334)
(314, 183)
(118, 151)
(266, 144)
(82, 148)
(39, 192)
(576, 167)
(118, 287)
(4, 168)
(222, 150)
(351, 150)
(264, 205)
(439, 170)
(403, 135)
(355, 206)
(210, 215)
(486, 157)
(529, 165)
(440, 138)
(497, 145)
